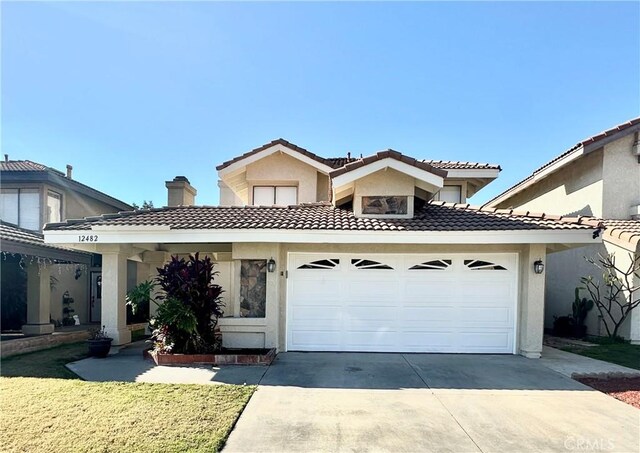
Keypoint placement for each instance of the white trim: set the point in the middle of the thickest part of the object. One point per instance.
(71, 237)
(387, 162)
(463, 173)
(271, 150)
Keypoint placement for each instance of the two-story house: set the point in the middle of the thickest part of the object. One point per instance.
(40, 281)
(377, 253)
(599, 177)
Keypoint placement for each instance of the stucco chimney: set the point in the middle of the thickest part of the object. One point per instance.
(180, 192)
(69, 171)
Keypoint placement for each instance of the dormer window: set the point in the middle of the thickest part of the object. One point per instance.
(275, 195)
(450, 194)
(395, 205)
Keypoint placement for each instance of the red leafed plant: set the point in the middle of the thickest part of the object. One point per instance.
(189, 308)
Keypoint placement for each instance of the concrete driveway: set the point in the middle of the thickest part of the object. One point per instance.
(312, 402)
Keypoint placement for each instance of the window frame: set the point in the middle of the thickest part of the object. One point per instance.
(459, 186)
(19, 191)
(274, 191)
(59, 196)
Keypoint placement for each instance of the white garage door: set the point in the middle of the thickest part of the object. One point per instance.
(402, 302)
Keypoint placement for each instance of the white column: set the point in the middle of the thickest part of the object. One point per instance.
(38, 301)
(531, 305)
(114, 292)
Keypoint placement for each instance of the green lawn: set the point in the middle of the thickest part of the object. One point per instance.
(624, 354)
(51, 410)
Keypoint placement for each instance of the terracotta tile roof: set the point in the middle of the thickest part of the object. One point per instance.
(456, 165)
(279, 141)
(435, 216)
(13, 233)
(390, 153)
(585, 142)
(23, 165)
(623, 232)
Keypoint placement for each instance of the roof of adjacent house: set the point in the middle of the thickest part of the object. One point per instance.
(14, 239)
(21, 170)
(23, 165)
(595, 139)
(435, 216)
(388, 154)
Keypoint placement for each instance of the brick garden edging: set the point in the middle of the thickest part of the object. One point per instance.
(37, 343)
(212, 359)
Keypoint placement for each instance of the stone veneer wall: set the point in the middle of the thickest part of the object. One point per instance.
(253, 288)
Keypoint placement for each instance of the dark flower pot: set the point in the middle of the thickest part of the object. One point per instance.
(99, 348)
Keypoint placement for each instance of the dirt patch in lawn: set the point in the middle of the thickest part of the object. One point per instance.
(625, 389)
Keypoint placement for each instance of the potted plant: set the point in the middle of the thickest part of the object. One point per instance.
(99, 343)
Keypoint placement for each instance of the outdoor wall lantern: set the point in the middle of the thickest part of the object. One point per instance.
(538, 267)
(271, 265)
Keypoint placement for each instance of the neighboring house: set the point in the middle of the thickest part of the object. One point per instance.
(345, 254)
(37, 277)
(598, 177)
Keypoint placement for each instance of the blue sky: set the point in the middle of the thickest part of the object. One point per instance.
(133, 94)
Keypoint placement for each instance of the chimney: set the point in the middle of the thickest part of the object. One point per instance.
(180, 192)
(6, 158)
(69, 171)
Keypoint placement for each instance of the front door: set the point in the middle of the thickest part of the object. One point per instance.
(95, 303)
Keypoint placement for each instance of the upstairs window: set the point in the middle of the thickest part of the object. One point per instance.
(54, 207)
(21, 207)
(451, 194)
(275, 195)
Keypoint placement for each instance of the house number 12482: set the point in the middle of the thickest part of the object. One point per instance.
(88, 238)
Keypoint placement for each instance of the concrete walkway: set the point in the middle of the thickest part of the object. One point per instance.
(126, 364)
(430, 403)
(575, 365)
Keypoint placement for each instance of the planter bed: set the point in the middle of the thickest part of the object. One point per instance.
(225, 357)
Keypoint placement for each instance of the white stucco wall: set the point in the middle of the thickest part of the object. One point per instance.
(388, 182)
(621, 174)
(574, 190)
(282, 169)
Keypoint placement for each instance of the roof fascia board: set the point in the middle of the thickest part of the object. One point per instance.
(387, 162)
(472, 173)
(234, 167)
(72, 238)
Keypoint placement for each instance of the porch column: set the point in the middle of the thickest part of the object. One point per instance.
(114, 292)
(154, 260)
(38, 301)
(531, 321)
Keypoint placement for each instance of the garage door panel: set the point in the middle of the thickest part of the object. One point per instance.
(316, 339)
(420, 315)
(486, 316)
(357, 340)
(482, 340)
(436, 340)
(444, 304)
(315, 313)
